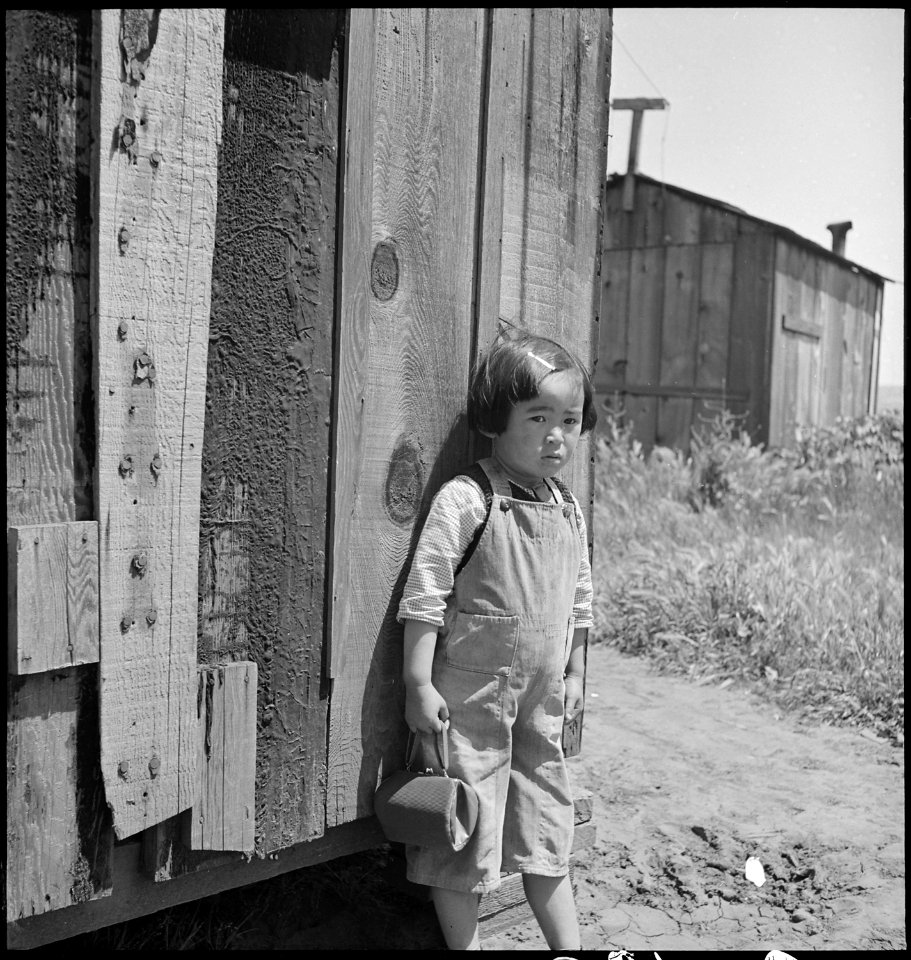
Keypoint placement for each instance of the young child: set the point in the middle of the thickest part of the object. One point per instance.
(495, 611)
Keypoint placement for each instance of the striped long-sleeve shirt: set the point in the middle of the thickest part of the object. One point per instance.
(457, 512)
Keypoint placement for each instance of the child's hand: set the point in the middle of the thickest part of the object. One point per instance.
(573, 700)
(425, 709)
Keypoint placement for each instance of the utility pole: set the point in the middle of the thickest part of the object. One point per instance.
(638, 105)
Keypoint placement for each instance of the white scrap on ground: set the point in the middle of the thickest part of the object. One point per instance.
(754, 872)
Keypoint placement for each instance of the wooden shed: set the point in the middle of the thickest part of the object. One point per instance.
(705, 307)
(251, 258)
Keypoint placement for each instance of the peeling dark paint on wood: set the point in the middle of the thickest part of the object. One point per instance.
(268, 396)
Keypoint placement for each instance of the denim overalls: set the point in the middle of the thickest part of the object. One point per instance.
(499, 664)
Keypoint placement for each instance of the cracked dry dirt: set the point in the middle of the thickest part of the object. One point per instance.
(688, 782)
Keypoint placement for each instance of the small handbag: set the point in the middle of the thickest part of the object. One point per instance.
(426, 808)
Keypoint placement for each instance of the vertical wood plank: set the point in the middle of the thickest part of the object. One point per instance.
(647, 279)
(714, 315)
(222, 816)
(642, 415)
(679, 320)
(352, 356)
(59, 841)
(57, 855)
(420, 259)
(682, 220)
(779, 365)
(675, 418)
(750, 360)
(158, 82)
(266, 451)
(646, 221)
(848, 375)
(615, 339)
(53, 611)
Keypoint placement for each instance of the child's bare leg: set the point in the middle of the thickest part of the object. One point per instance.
(458, 916)
(551, 900)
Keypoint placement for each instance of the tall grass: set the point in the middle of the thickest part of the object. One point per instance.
(783, 570)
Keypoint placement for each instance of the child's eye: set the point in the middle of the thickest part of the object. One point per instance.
(538, 418)
(571, 420)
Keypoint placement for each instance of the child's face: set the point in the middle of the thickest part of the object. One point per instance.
(541, 434)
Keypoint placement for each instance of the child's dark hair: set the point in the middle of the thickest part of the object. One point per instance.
(511, 372)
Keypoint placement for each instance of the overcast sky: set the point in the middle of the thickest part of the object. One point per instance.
(794, 115)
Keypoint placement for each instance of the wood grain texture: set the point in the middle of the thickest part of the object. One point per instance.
(59, 841)
(679, 316)
(266, 451)
(647, 280)
(716, 279)
(750, 358)
(352, 356)
(401, 391)
(49, 425)
(53, 608)
(158, 86)
(222, 818)
(615, 339)
(59, 838)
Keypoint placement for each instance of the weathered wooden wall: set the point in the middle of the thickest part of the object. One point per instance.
(823, 325)
(469, 188)
(266, 450)
(487, 132)
(59, 837)
(693, 295)
(672, 339)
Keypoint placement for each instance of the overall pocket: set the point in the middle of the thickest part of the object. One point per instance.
(482, 643)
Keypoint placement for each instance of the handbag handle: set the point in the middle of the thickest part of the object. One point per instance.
(441, 742)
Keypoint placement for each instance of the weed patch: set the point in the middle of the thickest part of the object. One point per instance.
(783, 570)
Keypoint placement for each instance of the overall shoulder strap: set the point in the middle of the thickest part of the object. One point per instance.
(476, 472)
(565, 492)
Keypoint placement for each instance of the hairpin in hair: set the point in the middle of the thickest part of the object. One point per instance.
(549, 366)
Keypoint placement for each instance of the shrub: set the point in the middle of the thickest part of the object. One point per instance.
(782, 569)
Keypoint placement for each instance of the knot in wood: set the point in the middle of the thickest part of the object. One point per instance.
(155, 465)
(123, 768)
(122, 330)
(151, 617)
(154, 766)
(126, 466)
(384, 271)
(404, 483)
(139, 563)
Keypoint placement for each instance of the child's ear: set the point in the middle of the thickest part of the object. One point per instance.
(487, 433)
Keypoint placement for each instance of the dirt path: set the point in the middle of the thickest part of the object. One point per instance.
(689, 782)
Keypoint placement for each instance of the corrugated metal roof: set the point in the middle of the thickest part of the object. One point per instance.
(786, 232)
